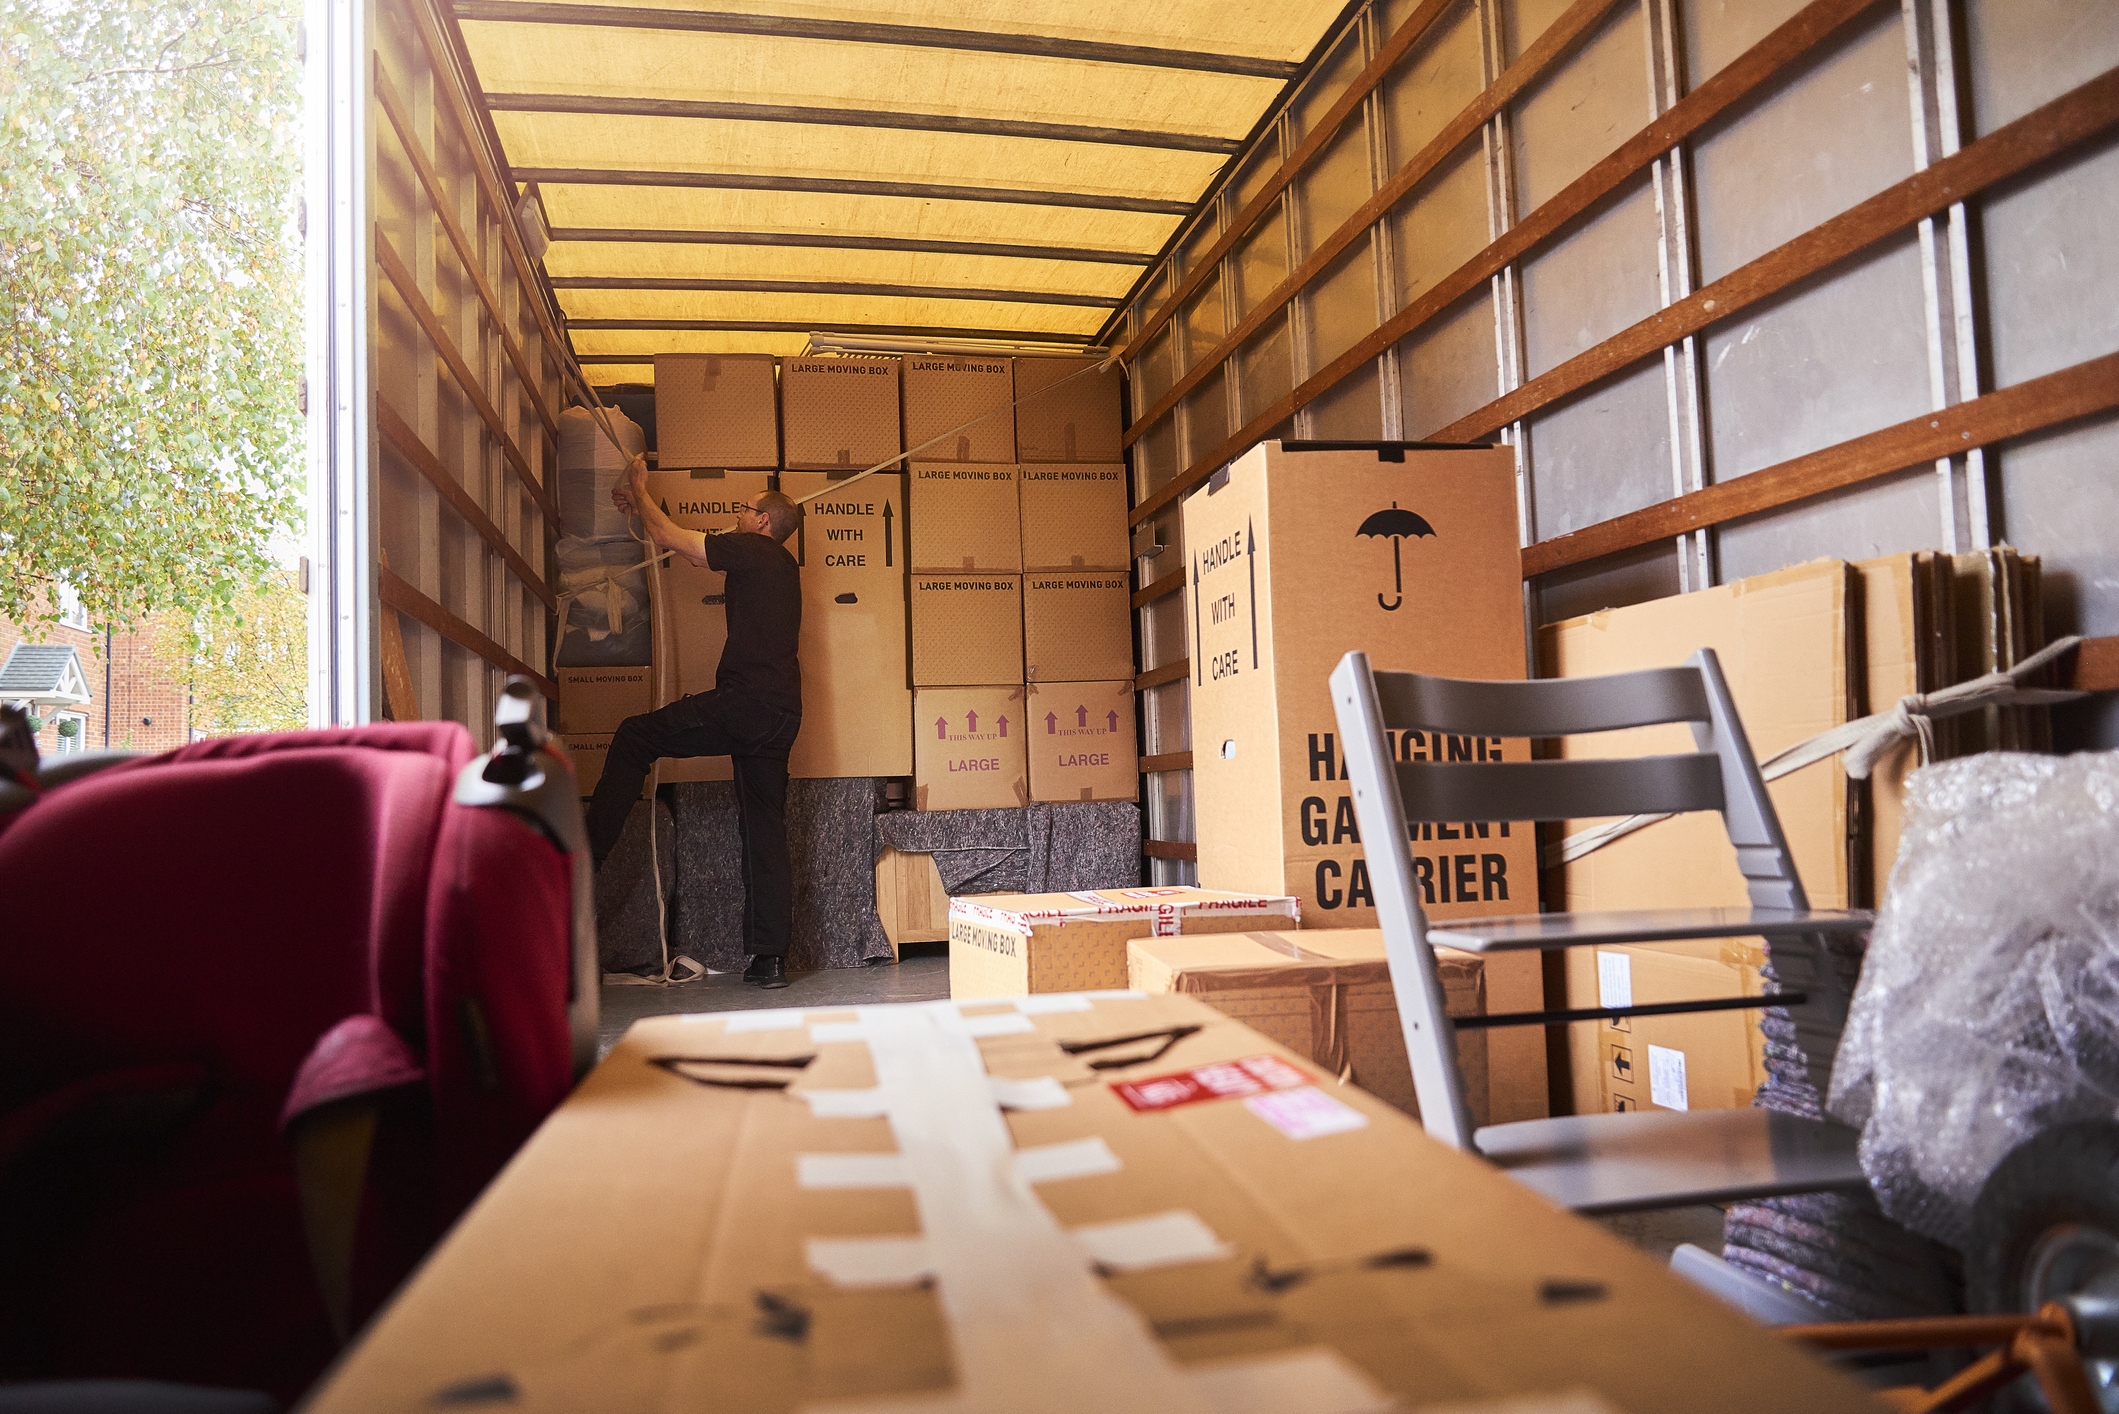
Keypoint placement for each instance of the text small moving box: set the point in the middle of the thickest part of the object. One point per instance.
(1083, 741)
(1068, 413)
(1325, 994)
(968, 749)
(1703, 1060)
(856, 696)
(967, 628)
(593, 700)
(944, 394)
(838, 413)
(1077, 626)
(965, 518)
(719, 410)
(1074, 517)
(1004, 945)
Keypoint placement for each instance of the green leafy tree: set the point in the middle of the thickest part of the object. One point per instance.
(248, 669)
(150, 310)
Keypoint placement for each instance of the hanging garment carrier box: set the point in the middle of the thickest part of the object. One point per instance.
(856, 690)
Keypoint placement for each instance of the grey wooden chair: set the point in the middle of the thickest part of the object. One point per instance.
(1616, 1162)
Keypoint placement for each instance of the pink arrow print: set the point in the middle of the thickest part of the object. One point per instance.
(971, 723)
(1004, 726)
(1081, 716)
(1114, 722)
(1052, 724)
(941, 728)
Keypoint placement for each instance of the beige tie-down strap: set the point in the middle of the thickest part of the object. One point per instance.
(1868, 741)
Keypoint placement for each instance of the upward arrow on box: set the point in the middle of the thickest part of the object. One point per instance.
(1051, 723)
(941, 728)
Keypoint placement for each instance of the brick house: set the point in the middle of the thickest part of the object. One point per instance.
(119, 690)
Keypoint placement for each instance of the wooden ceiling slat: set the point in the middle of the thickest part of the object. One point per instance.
(898, 243)
(824, 287)
(924, 191)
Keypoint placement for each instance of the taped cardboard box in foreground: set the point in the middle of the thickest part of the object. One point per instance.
(846, 1209)
(1004, 945)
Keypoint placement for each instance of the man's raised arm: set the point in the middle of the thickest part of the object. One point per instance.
(633, 498)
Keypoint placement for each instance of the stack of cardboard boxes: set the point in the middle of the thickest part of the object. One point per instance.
(1022, 646)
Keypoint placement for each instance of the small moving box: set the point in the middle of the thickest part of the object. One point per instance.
(1077, 626)
(1703, 1060)
(716, 410)
(968, 749)
(1074, 517)
(838, 413)
(588, 751)
(1325, 994)
(967, 628)
(1004, 945)
(1295, 560)
(965, 518)
(942, 395)
(1083, 741)
(856, 697)
(593, 700)
(1069, 413)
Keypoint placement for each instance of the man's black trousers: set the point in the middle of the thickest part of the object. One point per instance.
(756, 737)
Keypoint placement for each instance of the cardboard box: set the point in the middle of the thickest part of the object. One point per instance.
(966, 628)
(1074, 517)
(1067, 413)
(1083, 741)
(856, 697)
(598, 699)
(1077, 626)
(717, 410)
(943, 395)
(1005, 945)
(838, 413)
(911, 903)
(1296, 559)
(686, 1234)
(968, 751)
(588, 751)
(1325, 994)
(965, 518)
(1704, 1060)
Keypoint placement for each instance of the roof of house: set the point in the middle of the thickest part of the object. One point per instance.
(40, 672)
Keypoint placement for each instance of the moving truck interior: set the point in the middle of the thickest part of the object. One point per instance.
(1138, 367)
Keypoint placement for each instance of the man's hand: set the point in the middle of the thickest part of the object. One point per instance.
(634, 490)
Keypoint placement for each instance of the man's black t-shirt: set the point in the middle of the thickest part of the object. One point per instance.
(764, 618)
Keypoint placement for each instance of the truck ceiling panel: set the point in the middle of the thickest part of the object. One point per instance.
(822, 311)
(1257, 28)
(643, 260)
(627, 143)
(701, 209)
(671, 64)
(644, 344)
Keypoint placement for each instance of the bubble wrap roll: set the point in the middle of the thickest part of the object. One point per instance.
(1988, 1008)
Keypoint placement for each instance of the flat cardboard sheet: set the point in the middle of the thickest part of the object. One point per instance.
(967, 628)
(856, 692)
(969, 748)
(718, 410)
(965, 518)
(1083, 741)
(1325, 994)
(1074, 517)
(1004, 945)
(1077, 626)
(655, 1248)
(1078, 422)
(838, 413)
(942, 394)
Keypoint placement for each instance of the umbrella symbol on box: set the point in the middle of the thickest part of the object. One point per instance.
(1399, 525)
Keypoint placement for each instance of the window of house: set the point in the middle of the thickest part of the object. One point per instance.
(71, 612)
(72, 733)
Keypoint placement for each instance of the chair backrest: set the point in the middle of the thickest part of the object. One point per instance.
(1389, 791)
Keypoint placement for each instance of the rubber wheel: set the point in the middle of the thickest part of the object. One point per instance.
(2047, 1221)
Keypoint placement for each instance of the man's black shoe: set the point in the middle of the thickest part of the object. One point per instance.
(766, 970)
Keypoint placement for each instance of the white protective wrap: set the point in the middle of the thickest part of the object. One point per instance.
(589, 466)
(1988, 1007)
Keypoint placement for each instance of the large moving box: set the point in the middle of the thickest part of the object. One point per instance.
(1069, 413)
(716, 410)
(967, 628)
(1325, 994)
(943, 395)
(1074, 517)
(966, 519)
(1296, 559)
(838, 413)
(1004, 945)
(1784, 646)
(968, 748)
(856, 697)
(1083, 742)
(1077, 626)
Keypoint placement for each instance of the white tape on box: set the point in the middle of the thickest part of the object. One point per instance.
(1077, 1158)
(1138, 1244)
(870, 1261)
(851, 1170)
(1038, 1093)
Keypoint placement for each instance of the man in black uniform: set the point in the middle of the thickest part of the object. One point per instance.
(751, 716)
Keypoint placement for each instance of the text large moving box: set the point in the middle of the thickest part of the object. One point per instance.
(1325, 994)
(838, 413)
(964, 401)
(856, 692)
(717, 410)
(1003, 945)
(1296, 559)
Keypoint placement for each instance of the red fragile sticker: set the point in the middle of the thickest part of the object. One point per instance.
(1224, 1080)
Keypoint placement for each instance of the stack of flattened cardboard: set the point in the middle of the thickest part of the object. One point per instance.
(1325, 994)
(1025, 1207)
(1805, 649)
(1004, 945)
(1298, 558)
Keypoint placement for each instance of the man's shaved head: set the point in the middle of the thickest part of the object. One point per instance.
(781, 514)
